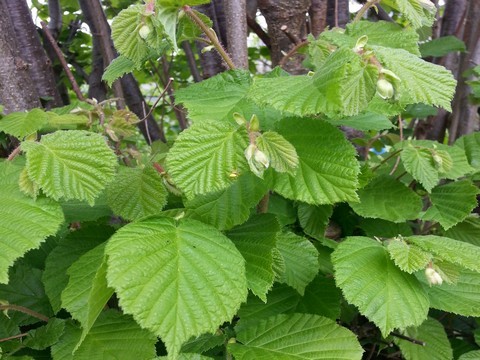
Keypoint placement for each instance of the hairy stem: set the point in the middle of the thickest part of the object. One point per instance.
(364, 9)
(25, 311)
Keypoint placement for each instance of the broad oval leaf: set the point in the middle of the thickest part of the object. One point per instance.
(408, 257)
(419, 163)
(21, 124)
(282, 155)
(382, 292)
(207, 157)
(24, 224)
(294, 336)
(177, 279)
(70, 164)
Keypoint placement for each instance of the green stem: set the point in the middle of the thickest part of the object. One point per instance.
(386, 159)
(25, 311)
(211, 36)
(364, 9)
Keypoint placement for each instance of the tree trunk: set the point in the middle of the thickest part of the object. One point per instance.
(16, 90)
(236, 17)
(318, 16)
(337, 13)
(96, 87)
(33, 54)
(286, 27)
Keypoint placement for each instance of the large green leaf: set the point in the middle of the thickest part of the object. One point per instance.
(74, 245)
(208, 157)
(282, 155)
(452, 203)
(70, 164)
(471, 145)
(137, 192)
(467, 231)
(300, 258)
(327, 170)
(255, 240)
(24, 224)
(21, 124)
(442, 46)
(388, 199)
(457, 252)
(178, 279)
(45, 336)
(87, 291)
(420, 164)
(431, 332)
(294, 336)
(321, 297)
(314, 219)
(420, 81)
(382, 292)
(408, 257)
(113, 336)
(231, 206)
(414, 12)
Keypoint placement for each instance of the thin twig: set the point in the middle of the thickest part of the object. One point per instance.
(336, 13)
(292, 52)
(13, 337)
(211, 35)
(386, 159)
(262, 206)
(364, 9)
(257, 29)
(14, 153)
(293, 38)
(25, 311)
(62, 60)
(408, 338)
(158, 100)
(397, 162)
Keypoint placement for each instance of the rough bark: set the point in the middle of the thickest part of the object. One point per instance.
(96, 87)
(33, 54)
(318, 16)
(16, 90)
(55, 12)
(236, 18)
(285, 17)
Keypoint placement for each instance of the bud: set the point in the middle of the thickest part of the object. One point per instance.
(239, 119)
(144, 31)
(261, 158)
(254, 123)
(385, 89)
(437, 159)
(361, 42)
(257, 160)
(433, 277)
(249, 151)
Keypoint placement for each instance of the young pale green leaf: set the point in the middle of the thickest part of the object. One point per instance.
(457, 252)
(460, 298)
(314, 219)
(207, 157)
(300, 258)
(442, 46)
(327, 170)
(45, 336)
(113, 335)
(294, 336)
(255, 240)
(420, 81)
(231, 206)
(467, 231)
(364, 121)
(371, 281)
(87, 291)
(22, 124)
(187, 29)
(419, 163)
(70, 164)
(137, 192)
(415, 13)
(125, 34)
(24, 225)
(452, 203)
(168, 16)
(69, 250)
(117, 68)
(178, 279)
(321, 297)
(471, 145)
(431, 332)
(282, 155)
(388, 199)
(408, 257)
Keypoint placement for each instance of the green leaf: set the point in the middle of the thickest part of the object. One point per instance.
(408, 257)
(45, 336)
(69, 250)
(420, 81)
(294, 336)
(78, 211)
(321, 297)
(431, 332)
(207, 157)
(471, 145)
(282, 155)
(168, 16)
(188, 30)
(22, 124)
(452, 203)
(327, 170)
(461, 298)
(314, 219)
(137, 192)
(457, 252)
(24, 225)
(117, 68)
(417, 15)
(231, 206)
(301, 261)
(87, 291)
(471, 355)
(419, 163)
(467, 231)
(384, 229)
(388, 199)
(204, 342)
(125, 28)
(364, 121)
(178, 279)
(113, 335)
(70, 164)
(371, 281)
(255, 240)
(442, 46)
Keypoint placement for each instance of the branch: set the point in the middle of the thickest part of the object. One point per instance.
(257, 29)
(364, 9)
(25, 311)
(412, 340)
(14, 153)
(13, 337)
(292, 52)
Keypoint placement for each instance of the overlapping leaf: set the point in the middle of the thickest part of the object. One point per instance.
(314, 219)
(467, 231)
(408, 257)
(419, 163)
(21, 124)
(471, 145)
(117, 68)
(282, 155)
(177, 279)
